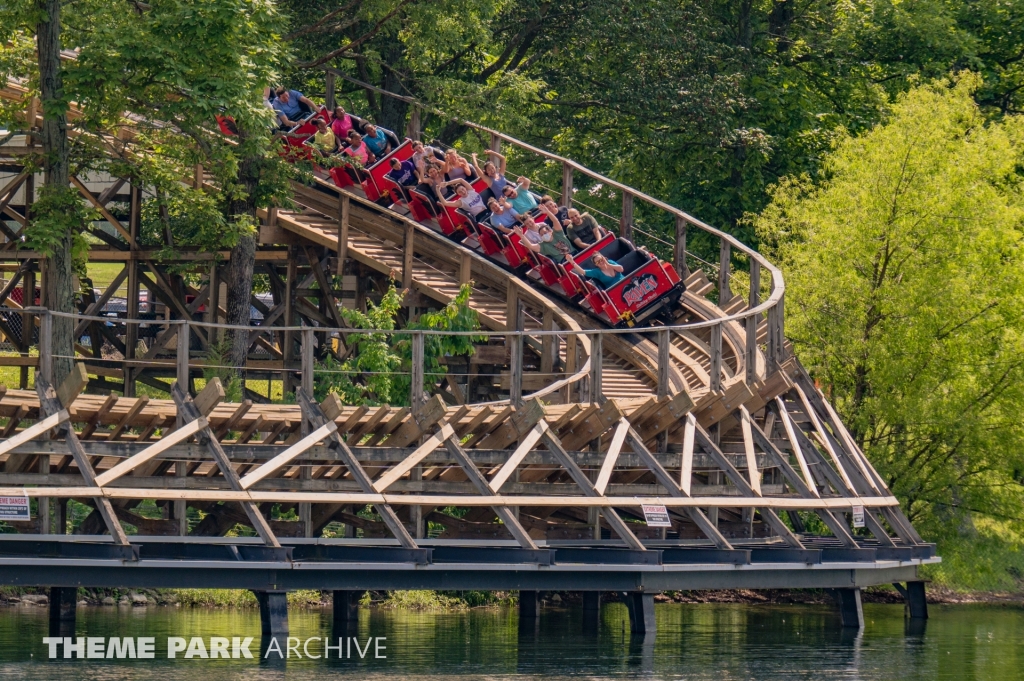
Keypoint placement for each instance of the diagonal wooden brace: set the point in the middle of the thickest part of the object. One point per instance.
(577, 474)
(702, 521)
(189, 413)
(314, 415)
(50, 405)
(480, 482)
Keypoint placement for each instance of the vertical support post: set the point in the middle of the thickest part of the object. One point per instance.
(664, 366)
(917, 603)
(850, 608)
(182, 371)
(329, 86)
(680, 254)
(596, 367)
(181, 467)
(566, 185)
(291, 275)
(346, 607)
(273, 612)
(626, 221)
(28, 323)
(511, 306)
(495, 142)
(45, 344)
(343, 218)
(43, 507)
(547, 344)
(46, 371)
(591, 610)
(131, 340)
(515, 345)
(306, 472)
(571, 359)
(529, 607)
(413, 128)
(724, 261)
(515, 387)
(416, 379)
(181, 505)
(641, 613)
(131, 332)
(594, 520)
(410, 236)
(214, 304)
(773, 341)
(465, 267)
(307, 360)
(716, 357)
(780, 324)
(197, 177)
(63, 608)
(416, 512)
(664, 362)
(752, 321)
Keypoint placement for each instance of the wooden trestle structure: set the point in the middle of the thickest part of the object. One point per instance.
(553, 433)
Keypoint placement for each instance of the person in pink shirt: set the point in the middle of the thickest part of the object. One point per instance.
(357, 148)
(341, 123)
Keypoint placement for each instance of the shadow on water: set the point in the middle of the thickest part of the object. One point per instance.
(693, 642)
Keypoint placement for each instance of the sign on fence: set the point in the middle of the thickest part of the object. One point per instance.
(14, 508)
(656, 516)
(858, 516)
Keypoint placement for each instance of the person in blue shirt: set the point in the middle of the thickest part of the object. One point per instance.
(288, 105)
(503, 216)
(519, 196)
(376, 140)
(606, 272)
(403, 172)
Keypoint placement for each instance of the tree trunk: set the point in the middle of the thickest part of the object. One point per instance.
(240, 269)
(59, 292)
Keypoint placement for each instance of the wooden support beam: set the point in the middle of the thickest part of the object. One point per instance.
(162, 445)
(133, 411)
(612, 456)
(686, 468)
(516, 458)
(314, 415)
(84, 191)
(666, 481)
(33, 431)
(407, 464)
(190, 412)
(50, 405)
(289, 454)
(610, 515)
(344, 210)
(506, 515)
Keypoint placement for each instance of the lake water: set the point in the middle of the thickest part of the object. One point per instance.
(700, 642)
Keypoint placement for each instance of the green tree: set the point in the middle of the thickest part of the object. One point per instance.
(377, 368)
(174, 65)
(905, 297)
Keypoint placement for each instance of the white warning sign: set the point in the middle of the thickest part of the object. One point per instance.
(656, 515)
(14, 508)
(858, 516)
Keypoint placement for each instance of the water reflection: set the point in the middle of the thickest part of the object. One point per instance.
(693, 642)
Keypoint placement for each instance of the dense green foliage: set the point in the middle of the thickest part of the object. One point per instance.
(702, 103)
(905, 276)
(377, 367)
(175, 65)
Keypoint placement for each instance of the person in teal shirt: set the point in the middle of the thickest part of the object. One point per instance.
(606, 271)
(519, 196)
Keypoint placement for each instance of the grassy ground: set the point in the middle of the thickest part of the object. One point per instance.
(102, 273)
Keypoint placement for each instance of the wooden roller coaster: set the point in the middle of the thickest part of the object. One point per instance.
(556, 429)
